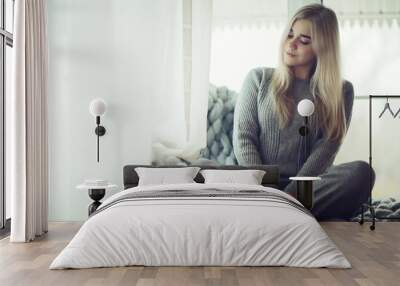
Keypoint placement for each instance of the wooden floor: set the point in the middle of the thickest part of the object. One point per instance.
(374, 255)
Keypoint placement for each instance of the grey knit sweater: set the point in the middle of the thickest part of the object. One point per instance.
(257, 138)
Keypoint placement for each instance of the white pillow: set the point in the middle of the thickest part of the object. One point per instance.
(163, 176)
(248, 177)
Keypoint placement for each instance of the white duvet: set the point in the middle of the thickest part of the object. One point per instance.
(200, 231)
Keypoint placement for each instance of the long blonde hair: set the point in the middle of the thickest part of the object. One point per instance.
(325, 82)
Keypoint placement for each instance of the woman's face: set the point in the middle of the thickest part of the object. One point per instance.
(297, 50)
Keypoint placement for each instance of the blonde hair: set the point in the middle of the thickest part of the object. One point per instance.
(325, 83)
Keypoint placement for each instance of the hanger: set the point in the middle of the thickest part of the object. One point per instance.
(387, 107)
(398, 111)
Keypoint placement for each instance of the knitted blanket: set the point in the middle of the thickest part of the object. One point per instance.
(221, 105)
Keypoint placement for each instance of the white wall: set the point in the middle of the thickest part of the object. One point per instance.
(96, 49)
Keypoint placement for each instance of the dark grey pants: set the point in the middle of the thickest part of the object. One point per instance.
(342, 190)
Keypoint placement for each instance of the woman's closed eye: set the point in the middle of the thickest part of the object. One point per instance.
(303, 40)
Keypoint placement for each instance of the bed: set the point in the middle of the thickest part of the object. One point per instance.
(201, 224)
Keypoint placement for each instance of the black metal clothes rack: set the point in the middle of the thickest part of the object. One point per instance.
(369, 204)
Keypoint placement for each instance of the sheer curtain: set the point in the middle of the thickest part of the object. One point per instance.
(245, 35)
(27, 124)
(370, 45)
(181, 113)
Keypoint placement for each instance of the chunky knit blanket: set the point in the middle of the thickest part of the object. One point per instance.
(221, 105)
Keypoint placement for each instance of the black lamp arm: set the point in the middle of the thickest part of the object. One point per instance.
(99, 131)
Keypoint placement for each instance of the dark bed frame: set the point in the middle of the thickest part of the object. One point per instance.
(270, 179)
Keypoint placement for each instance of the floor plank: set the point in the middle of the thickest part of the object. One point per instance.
(374, 255)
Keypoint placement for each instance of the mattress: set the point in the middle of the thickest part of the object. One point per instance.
(201, 225)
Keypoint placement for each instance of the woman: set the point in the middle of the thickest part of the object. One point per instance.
(266, 123)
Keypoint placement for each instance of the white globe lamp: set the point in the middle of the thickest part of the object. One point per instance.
(97, 108)
(305, 107)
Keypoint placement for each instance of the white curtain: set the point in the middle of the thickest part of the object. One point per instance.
(369, 44)
(201, 49)
(181, 117)
(365, 12)
(245, 35)
(27, 123)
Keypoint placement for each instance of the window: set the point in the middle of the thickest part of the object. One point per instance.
(6, 44)
(369, 45)
(245, 35)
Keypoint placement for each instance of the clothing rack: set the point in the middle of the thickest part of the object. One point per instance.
(369, 204)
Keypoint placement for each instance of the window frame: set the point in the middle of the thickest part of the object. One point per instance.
(6, 39)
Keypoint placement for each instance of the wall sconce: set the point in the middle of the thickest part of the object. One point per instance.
(305, 108)
(97, 108)
(305, 192)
